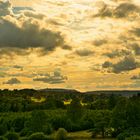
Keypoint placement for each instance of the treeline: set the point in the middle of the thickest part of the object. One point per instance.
(105, 116)
(21, 100)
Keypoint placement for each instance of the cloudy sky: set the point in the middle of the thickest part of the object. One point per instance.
(77, 44)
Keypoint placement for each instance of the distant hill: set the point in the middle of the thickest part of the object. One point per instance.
(102, 92)
(58, 90)
(47, 91)
(115, 92)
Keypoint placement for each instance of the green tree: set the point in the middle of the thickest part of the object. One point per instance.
(112, 101)
(2, 138)
(37, 121)
(37, 136)
(133, 113)
(75, 110)
(12, 136)
(133, 138)
(101, 122)
(61, 134)
(18, 124)
(3, 127)
(118, 119)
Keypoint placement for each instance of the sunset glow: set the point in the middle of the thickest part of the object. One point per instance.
(84, 45)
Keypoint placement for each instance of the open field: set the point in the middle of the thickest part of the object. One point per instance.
(84, 135)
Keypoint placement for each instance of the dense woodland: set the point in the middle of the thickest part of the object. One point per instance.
(51, 114)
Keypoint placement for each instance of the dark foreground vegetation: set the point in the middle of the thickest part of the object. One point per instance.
(46, 115)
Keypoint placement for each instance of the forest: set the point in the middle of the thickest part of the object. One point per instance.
(68, 114)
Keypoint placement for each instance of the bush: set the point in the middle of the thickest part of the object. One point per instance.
(122, 136)
(37, 136)
(129, 133)
(133, 138)
(18, 124)
(61, 134)
(12, 136)
(133, 131)
(2, 138)
(48, 129)
(25, 138)
(37, 121)
(3, 129)
(25, 132)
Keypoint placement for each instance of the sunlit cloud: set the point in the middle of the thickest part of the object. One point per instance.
(90, 41)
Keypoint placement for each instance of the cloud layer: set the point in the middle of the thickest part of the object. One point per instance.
(128, 63)
(55, 78)
(12, 81)
(95, 43)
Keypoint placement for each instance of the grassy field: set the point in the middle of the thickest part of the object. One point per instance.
(42, 99)
(79, 135)
(83, 135)
(38, 100)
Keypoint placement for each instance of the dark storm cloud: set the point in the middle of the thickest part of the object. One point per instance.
(84, 52)
(117, 53)
(123, 10)
(128, 63)
(28, 36)
(107, 64)
(12, 81)
(56, 78)
(19, 33)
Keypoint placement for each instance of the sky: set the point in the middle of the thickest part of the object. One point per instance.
(76, 44)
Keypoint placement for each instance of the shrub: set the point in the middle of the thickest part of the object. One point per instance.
(133, 131)
(37, 136)
(48, 129)
(133, 138)
(2, 138)
(37, 121)
(122, 136)
(18, 124)
(25, 132)
(129, 133)
(61, 134)
(25, 138)
(3, 129)
(12, 136)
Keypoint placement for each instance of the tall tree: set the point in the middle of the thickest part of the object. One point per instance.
(37, 121)
(74, 110)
